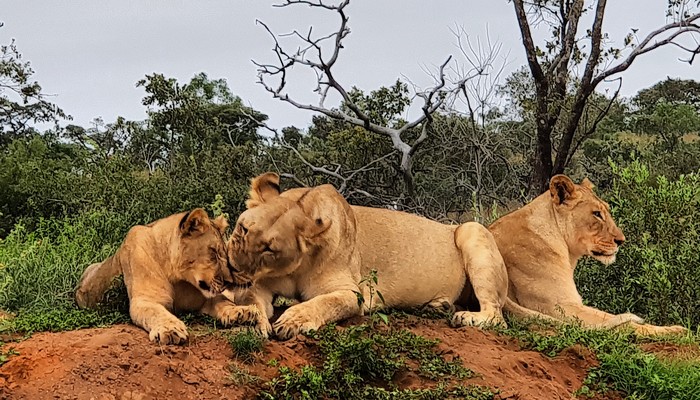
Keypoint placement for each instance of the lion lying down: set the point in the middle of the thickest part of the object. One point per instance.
(311, 245)
(542, 243)
(178, 263)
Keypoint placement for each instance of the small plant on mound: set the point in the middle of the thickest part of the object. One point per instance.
(241, 376)
(361, 362)
(245, 344)
(371, 281)
(623, 365)
(5, 354)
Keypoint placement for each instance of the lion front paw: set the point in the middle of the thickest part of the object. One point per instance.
(481, 319)
(239, 315)
(293, 322)
(171, 332)
(263, 328)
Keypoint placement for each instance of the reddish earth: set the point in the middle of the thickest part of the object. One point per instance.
(119, 363)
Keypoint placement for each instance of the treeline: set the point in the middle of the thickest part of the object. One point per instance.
(200, 145)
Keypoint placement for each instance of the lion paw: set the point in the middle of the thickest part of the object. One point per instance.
(239, 315)
(263, 328)
(293, 322)
(482, 319)
(171, 332)
(652, 330)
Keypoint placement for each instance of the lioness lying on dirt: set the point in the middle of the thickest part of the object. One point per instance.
(311, 245)
(542, 243)
(177, 263)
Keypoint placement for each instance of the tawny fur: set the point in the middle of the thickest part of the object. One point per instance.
(543, 241)
(419, 262)
(177, 263)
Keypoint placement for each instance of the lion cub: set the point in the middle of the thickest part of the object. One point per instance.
(177, 263)
(311, 245)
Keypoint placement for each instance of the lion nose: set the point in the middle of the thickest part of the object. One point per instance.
(620, 240)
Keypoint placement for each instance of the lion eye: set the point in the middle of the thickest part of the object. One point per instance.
(243, 229)
(597, 214)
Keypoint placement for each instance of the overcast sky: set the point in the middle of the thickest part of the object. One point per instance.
(89, 54)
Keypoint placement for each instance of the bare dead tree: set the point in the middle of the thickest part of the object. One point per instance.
(550, 67)
(320, 53)
(344, 178)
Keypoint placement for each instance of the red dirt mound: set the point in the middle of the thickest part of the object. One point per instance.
(119, 363)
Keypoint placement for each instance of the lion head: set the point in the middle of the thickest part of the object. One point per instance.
(585, 220)
(203, 261)
(278, 234)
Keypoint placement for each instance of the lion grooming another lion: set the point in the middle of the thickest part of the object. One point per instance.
(311, 245)
(178, 263)
(541, 244)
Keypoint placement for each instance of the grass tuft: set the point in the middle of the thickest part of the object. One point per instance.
(245, 344)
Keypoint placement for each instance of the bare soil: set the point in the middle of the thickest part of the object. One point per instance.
(120, 363)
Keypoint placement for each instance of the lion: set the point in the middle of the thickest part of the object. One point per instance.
(309, 244)
(178, 263)
(543, 241)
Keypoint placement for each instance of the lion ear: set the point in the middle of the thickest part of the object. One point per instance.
(221, 224)
(316, 203)
(311, 230)
(263, 188)
(194, 223)
(315, 226)
(562, 188)
(587, 184)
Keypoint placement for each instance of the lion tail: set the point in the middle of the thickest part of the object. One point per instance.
(519, 311)
(96, 280)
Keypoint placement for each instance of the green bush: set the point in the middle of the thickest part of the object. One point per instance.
(656, 274)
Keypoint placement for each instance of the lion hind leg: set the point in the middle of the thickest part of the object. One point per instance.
(95, 281)
(442, 304)
(654, 330)
(478, 318)
(486, 272)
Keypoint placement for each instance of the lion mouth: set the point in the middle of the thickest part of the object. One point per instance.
(602, 254)
(605, 258)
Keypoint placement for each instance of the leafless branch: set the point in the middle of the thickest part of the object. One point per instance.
(322, 64)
